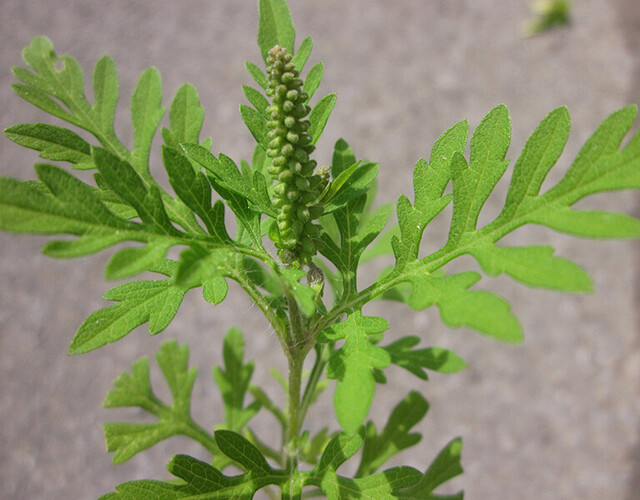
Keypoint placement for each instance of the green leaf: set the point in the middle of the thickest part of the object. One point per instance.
(535, 266)
(540, 153)
(185, 117)
(473, 183)
(256, 123)
(275, 27)
(417, 360)
(215, 288)
(146, 113)
(54, 143)
(105, 92)
(446, 466)
(396, 435)
(257, 99)
(302, 54)
(41, 100)
(234, 381)
(343, 158)
(134, 390)
(313, 79)
(320, 115)
(480, 310)
(131, 261)
(140, 301)
(353, 364)
(123, 180)
(194, 190)
(588, 223)
(304, 295)
(201, 480)
(257, 74)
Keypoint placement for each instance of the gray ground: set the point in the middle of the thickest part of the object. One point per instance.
(556, 418)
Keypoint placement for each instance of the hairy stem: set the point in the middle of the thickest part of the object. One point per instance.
(293, 428)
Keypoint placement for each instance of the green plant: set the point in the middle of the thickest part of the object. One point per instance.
(128, 205)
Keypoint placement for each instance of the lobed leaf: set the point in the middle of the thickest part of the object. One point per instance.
(234, 381)
(396, 435)
(352, 365)
(417, 360)
(156, 302)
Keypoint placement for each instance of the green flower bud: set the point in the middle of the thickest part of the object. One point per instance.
(297, 188)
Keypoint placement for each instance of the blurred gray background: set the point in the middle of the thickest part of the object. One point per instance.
(555, 418)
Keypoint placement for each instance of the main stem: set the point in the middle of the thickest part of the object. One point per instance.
(296, 360)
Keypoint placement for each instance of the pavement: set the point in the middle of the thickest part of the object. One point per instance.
(555, 418)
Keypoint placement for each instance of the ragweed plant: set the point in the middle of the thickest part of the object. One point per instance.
(301, 233)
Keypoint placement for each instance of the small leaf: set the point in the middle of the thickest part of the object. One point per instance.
(313, 79)
(256, 123)
(320, 115)
(214, 289)
(302, 54)
(257, 74)
(343, 158)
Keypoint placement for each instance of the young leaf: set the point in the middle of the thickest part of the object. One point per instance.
(275, 27)
(256, 123)
(234, 381)
(303, 53)
(396, 436)
(353, 364)
(54, 143)
(140, 301)
(257, 99)
(313, 79)
(320, 115)
(343, 158)
(257, 74)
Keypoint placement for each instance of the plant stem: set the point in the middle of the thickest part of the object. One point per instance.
(296, 360)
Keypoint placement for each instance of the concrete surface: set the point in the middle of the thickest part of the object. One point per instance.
(557, 418)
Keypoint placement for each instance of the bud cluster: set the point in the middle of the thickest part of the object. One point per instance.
(290, 145)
